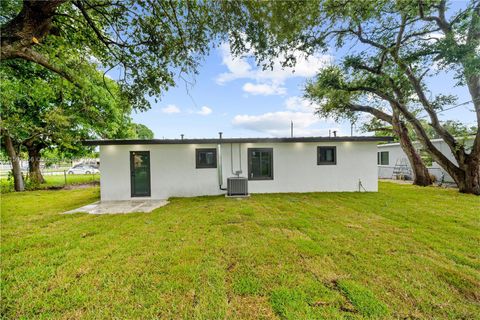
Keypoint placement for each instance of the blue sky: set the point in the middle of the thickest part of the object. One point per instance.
(241, 100)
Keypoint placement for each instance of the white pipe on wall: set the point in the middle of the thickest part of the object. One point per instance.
(219, 167)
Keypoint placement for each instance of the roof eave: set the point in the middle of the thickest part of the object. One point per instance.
(235, 140)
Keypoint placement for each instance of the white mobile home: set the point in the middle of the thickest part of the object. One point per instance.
(163, 168)
(391, 155)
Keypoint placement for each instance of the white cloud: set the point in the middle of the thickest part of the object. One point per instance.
(171, 108)
(244, 67)
(274, 120)
(277, 123)
(264, 89)
(237, 67)
(204, 111)
(300, 104)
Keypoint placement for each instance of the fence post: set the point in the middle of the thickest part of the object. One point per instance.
(65, 176)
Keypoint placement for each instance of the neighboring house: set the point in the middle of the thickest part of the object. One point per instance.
(390, 157)
(165, 168)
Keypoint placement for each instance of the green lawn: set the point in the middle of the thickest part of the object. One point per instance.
(405, 252)
(52, 181)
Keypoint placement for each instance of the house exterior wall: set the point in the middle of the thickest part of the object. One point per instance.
(295, 169)
(396, 154)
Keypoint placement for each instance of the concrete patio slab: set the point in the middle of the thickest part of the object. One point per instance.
(126, 206)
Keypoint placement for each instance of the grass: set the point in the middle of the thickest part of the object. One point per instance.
(363, 299)
(405, 252)
(51, 181)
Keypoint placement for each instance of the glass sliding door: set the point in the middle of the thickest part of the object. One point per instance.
(140, 173)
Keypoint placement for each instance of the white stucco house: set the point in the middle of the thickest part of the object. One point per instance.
(163, 168)
(390, 155)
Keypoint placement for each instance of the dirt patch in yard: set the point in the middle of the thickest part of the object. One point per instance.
(80, 186)
(251, 307)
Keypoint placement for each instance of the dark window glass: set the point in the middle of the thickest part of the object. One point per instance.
(206, 158)
(260, 164)
(326, 155)
(382, 158)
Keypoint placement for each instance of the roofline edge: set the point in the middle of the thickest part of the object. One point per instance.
(235, 140)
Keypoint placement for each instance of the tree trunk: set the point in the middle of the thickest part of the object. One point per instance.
(34, 172)
(420, 171)
(465, 173)
(15, 161)
(27, 29)
(470, 181)
(32, 23)
(421, 176)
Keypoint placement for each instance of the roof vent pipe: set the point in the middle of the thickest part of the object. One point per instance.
(181, 136)
(334, 133)
(220, 135)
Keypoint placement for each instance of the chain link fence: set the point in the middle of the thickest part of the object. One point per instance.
(56, 174)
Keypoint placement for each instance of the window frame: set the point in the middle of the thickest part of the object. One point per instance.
(327, 163)
(203, 166)
(379, 158)
(250, 166)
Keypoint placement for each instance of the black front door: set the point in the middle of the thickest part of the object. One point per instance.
(140, 173)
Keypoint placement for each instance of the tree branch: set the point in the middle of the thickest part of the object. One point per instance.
(92, 25)
(473, 81)
(373, 111)
(440, 20)
(417, 126)
(438, 156)
(359, 34)
(33, 56)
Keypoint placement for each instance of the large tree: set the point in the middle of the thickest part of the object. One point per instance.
(398, 47)
(147, 43)
(337, 95)
(41, 110)
(142, 131)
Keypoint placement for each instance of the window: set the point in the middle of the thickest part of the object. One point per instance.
(326, 155)
(206, 158)
(260, 164)
(382, 158)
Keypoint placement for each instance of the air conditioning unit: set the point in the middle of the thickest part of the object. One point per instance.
(237, 186)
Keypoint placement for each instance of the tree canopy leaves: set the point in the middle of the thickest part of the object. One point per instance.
(148, 45)
(39, 106)
(396, 47)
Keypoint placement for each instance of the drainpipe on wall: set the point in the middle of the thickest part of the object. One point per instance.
(239, 171)
(240, 157)
(219, 163)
